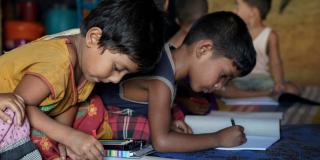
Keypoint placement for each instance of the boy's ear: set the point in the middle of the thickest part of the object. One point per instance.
(93, 36)
(204, 47)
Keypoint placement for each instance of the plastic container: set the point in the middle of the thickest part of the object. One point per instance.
(60, 19)
(20, 32)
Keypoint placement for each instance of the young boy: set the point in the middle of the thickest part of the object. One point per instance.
(217, 49)
(267, 77)
(53, 74)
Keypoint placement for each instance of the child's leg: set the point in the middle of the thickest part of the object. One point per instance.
(92, 118)
(126, 126)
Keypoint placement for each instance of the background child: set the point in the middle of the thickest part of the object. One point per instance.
(187, 12)
(53, 75)
(217, 49)
(267, 78)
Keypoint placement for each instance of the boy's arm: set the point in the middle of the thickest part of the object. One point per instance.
(68, 116)
(33, 90)
(165, 140)
(275, 60)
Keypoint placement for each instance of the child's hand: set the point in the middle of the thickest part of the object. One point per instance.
(231, 136)
(67, 152)
(181, 127)
(84, 145)
(13, 102)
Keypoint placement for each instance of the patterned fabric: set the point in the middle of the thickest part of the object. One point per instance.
(12, 133)
(297, 142)
(91, 117)
(125, 126)
(112, 94)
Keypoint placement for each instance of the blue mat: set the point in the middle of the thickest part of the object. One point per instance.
(297, 142)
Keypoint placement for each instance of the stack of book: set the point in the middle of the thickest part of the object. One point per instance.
(126, 148)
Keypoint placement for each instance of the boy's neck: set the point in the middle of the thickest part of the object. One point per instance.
(76, 57)
(181, 60)
(255, 28)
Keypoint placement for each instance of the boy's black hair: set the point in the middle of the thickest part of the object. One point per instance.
(132, 27)
(186, 10)
(262, 5)
(230, 38)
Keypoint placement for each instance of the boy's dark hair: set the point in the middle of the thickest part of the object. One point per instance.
(132, 27)
(262, 5)
(230, 38)
(187, 11)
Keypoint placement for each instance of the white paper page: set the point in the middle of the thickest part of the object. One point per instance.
(260, 132)
(252, 126)
(255, 143)
(251, 101)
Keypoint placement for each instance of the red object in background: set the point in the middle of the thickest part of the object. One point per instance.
(28, 10)
(17, 33)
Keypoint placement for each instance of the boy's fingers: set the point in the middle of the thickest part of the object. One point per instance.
(16, 110)
(62, 151)
(20, 113)
(100, 148)
(21, 105)
(90, 155)
(72, 154)
(189, 130)
(96, 153)
(5, 117)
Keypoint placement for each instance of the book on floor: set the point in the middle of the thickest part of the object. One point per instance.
(126, 148)
(262, 129)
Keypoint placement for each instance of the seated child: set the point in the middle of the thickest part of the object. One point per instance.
(267, 77)
(217, 49)
(53, 74)
(187, 12)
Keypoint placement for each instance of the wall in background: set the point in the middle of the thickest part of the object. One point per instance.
(299, 31)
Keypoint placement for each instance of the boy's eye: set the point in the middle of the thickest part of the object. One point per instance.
(118, 69)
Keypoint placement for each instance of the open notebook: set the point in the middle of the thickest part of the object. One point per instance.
(261, 129)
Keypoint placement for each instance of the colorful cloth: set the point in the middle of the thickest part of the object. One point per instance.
(91, 117)
(126, 126)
